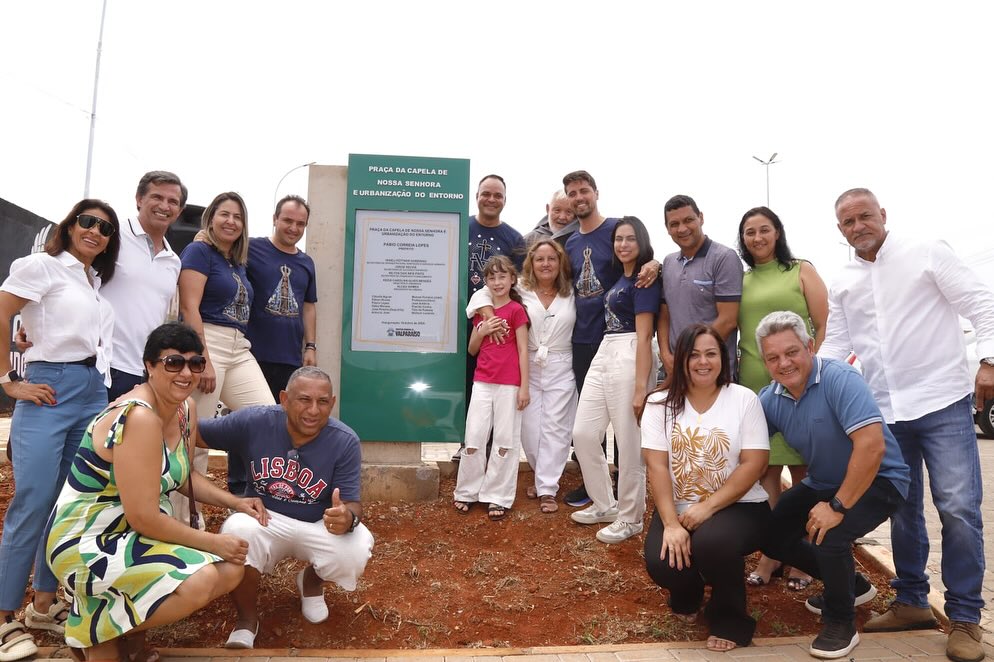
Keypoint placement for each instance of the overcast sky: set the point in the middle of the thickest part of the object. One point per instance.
(654, 99)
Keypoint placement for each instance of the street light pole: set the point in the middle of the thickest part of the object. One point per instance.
(93, 109)
(278, 184)
(767, 165)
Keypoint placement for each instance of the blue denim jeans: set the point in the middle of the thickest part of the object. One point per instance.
(946, 442)
(44, 440)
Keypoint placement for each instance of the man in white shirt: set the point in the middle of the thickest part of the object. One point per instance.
(145, 277)
(897, 306)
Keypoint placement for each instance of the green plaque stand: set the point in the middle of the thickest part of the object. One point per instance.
(403, 328)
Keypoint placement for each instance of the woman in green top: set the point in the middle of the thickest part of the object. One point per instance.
(775, 281)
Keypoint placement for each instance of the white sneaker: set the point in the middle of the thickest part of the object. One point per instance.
(314, 608)
(619, 531)
(590, 515)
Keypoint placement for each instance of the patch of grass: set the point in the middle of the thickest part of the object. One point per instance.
(483, 564)
(596, 580)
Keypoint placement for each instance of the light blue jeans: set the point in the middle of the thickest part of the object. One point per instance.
(43, 441)
(946, 442)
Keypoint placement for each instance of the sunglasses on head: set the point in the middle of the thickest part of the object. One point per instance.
(175, 363)
(87, 221)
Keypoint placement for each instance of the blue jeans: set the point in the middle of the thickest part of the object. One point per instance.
(42, 438)
(946, 442)
(831, 561)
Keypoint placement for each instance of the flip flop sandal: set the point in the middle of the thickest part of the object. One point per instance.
(16, 642)
(462, 507)
(547, 504)
(798, 583)
(496, 512)
(531, 492)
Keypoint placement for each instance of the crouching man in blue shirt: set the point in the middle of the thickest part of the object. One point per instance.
(305, 466)
(856, 475)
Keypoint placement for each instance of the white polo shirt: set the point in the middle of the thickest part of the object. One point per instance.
(67, 318)
(143, 285)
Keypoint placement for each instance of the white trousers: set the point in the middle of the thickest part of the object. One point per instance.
(336, 558)
(547, 423)
(240, 383)
(492, 480)
(606, 397)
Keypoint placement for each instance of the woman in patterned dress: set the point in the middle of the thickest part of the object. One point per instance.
(126, 564)
(705, 445)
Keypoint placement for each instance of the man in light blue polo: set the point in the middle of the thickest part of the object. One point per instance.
(856, 475)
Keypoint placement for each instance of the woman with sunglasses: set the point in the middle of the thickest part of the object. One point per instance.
(215, 297)
(64, 386)
(126, 565)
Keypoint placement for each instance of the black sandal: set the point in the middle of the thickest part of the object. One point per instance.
(497, 512)
(462, 507)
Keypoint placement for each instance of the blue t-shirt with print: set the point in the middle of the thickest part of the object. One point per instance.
(486, 242)
(624, 301)
(594, 273)
(294, 482)
(282, 283)
(227, 297)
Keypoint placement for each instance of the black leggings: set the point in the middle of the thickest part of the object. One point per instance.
(717, 551)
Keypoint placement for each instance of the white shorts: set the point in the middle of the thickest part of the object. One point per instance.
(336, 558)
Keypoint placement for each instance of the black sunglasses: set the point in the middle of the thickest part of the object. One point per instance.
(87, 221)
(176, 362)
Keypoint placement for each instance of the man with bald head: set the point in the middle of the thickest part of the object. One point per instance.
(305, 466)
(897, 306)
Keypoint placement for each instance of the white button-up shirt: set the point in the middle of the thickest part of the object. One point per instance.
(899, 315)
(66, 317)
(143, 285)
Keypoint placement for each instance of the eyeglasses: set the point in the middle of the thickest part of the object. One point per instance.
(87, 221)
(176, 363)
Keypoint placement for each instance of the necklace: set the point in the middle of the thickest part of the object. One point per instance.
(547, 293)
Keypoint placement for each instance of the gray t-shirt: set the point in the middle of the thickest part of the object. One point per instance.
(692, 288)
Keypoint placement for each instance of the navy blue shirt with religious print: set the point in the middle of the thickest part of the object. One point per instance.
(227, 297)
(486, 242)
(591, 256)
(282, 282)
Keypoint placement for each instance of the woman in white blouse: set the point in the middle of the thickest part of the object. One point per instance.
(546, 287)
(706, 445)
(63, 388)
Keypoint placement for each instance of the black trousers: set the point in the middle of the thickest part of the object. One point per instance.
(718, 549)
(831, 561)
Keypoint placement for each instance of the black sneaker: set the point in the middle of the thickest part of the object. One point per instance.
(865, 591)
(834, 640)
(577, 497)
(457, 455)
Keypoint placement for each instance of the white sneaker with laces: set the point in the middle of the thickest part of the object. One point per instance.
(590, 515)
(619, 531)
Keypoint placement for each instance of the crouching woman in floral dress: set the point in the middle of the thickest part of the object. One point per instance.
(126, 564)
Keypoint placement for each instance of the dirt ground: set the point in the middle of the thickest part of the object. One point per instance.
(439, 579)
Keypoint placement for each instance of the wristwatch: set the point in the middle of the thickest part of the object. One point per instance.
(989, 361)
(11, 376)
(310, 345)
(837, 506)
(355, 522)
